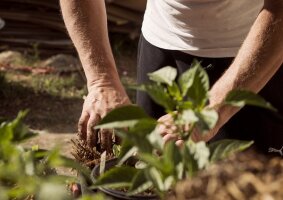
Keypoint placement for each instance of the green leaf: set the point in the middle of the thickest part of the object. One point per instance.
(180, 170)
(160, 96)
(191, 164)
(6, 134)
(152, 161)
(156, 178)
(194, 84)
(126, 146)
(186, 80)
(200, 153)
(185, 105)
(139, 183)
(207, 119)
(240, 98)
(122, 117)
(223, 148)
(140, 165)
(143, 127)
(188, 116)
(20, 131)
(126, 123)
(131, 152)
(136, 138)
(156, 140)
(175, 92)
(164, 75)
(117, 177)
(171, 158)
(16, 130)
(169, 182)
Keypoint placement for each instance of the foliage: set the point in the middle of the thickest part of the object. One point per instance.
(165, 164)
(29, 173)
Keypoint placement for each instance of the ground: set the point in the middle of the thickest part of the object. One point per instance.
(53, 94)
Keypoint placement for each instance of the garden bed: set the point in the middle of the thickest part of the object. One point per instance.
(246, 175)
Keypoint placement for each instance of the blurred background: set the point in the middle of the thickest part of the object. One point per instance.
(39, 67)
(40, 70)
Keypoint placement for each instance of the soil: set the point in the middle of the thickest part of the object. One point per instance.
(245, 176)
(53, 114)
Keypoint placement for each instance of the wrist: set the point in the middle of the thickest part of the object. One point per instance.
(110, 86)
(225, 112)
(103, 79)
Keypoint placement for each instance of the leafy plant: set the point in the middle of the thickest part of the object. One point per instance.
(29, 173)
(163, 165)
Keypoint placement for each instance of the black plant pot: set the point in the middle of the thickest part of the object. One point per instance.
(115, 193)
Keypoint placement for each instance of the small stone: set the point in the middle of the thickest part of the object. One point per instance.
(62, 63)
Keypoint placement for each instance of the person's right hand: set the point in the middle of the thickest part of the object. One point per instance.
(99, 101)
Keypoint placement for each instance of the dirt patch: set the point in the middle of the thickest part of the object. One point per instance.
(46, 111)
(244, 176)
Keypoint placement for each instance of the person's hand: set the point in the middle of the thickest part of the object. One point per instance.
(169, 131)
(99, 101)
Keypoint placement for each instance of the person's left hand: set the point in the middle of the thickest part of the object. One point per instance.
(169, 131)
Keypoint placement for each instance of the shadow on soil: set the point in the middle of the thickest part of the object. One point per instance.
(46, 112)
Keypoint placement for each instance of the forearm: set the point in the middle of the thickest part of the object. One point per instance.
(86, 23)
(259, 58)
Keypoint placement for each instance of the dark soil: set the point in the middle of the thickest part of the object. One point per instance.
(46, 112)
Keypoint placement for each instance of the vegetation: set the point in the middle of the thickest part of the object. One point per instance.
(30, 173)
(161, 165)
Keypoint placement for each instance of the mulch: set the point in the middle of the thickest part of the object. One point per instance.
(245, 176)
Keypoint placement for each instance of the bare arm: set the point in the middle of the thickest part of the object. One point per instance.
(86, 22)
(260, 56)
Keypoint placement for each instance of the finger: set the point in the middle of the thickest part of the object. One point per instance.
(91, 132)
(165, 118)
(170, 137)
(82, 126)
(180, 143)
(106, 140)
(163, 130)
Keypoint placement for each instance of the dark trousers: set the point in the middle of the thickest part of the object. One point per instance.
(250, 123)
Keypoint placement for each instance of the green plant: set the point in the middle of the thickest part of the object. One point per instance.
(162, 165)
(29, 173)
(64, 86)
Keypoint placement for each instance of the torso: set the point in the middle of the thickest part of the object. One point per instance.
(208, 28)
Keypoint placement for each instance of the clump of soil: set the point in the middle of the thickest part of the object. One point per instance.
(247, 175)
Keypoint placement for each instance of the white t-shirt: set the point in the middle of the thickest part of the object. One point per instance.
(206, 28)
